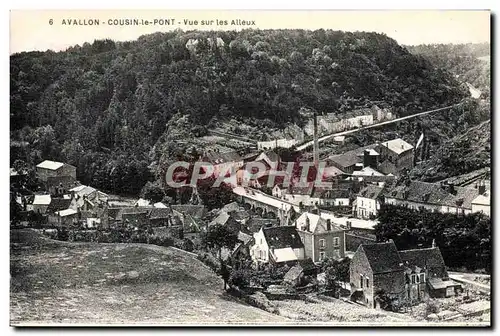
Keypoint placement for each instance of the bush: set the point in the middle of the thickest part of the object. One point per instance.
(431, 308)
(241, 278)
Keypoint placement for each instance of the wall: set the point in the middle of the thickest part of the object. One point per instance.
(430, 207)
(353, 241)
(359, 265)
(366, 207)
(481, 208)
(331, 251)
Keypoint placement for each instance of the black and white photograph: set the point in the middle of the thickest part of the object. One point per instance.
(250, 168)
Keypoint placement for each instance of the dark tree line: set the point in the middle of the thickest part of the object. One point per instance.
(117, 110)
(464, 240)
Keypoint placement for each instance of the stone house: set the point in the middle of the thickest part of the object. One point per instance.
(48, 168)
(321, 238)
(368, 202)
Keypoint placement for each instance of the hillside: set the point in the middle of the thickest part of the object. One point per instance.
(468, 62)
(462, 154)
(117, 109)
(56, 282)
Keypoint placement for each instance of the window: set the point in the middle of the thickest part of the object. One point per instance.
(367, 282)
(336, 241)
(322, 243)
(362, 203)
(321, 256)
(361, 280)
(413, 278)
(422, 277)
(417, 278)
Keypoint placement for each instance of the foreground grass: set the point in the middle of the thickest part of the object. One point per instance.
(85, 283)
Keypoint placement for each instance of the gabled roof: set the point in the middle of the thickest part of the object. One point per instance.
(254, 224)
(244, 238)
(351, 157)
(160, 205)
(196, 211)
(279, 237)
(221, 219)
(383, 257)
(143, 202)
(371, 191)
(51, 165)
(42, 200)
(433, 193)
(398, 146)
(423, 258)
(317, 224)
(160, 213)
(367, 171)
(57, 204)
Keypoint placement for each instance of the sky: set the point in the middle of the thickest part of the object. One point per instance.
(45, 29)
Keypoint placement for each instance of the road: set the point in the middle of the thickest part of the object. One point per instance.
(329, 136)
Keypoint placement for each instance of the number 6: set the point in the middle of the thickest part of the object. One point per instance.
(51, 22)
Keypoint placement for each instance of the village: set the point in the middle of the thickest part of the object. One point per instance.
(290, 242)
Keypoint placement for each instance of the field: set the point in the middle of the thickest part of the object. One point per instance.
(82, 283)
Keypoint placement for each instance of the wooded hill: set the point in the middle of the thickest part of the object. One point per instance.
(116, 109)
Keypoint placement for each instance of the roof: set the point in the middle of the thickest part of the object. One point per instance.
(482, 199)
(351, 157)
(279, 237)
(51, 165)
(398, 146)
(331, 171)
(159, 205)
(221, 219)
(57, 204)
(433, 193)
(263, 198)
(142, 202)
(293, 273)
(254, 224)
(83, 190)
(42, 200)
(317, 224)
(284, 254)
(367, 171)
(67, 212)
(307, 264)
(383, 257)
(272, 156)
(218, 157)
(371, 191)
(160, 213)
(117, 213)
(244, 238)
(423, 258)
(196, 211)
(233, 206)
(437, 283)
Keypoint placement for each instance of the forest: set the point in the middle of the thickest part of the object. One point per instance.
(120, 111)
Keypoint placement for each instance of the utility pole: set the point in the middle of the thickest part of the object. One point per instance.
(316, 144)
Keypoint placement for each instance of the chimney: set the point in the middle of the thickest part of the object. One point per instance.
(328, 224)
(308, 224)
(348, 224)
(433, 243)
(482, 188)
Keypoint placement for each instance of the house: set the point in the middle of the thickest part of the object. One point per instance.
(58, 204)
(408, 275)
(277, 245)
(160, 217)
(63, 218)
(376, 267)
(395, 156)
(254, 224)
(241, 250)
(304, 268)
(222, 162)
(284, 143)
(481, 203)
(321, 238)
(435, 197)
(87, 197)
(278, 191)
(183, 210)
(225, 219)
(40, 203)
(136, 219)
(49, 168)
(313, 196)
(368, 202)
(426, 274)
(141, 202)
(349, 161)
(122, 216)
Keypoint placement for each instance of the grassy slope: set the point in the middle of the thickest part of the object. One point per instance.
(57, 282)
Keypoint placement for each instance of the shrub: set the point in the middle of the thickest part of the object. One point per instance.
(431, 308)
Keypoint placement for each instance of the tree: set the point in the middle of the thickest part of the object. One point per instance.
(219, 236)
(336, 272)
(153, 192)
